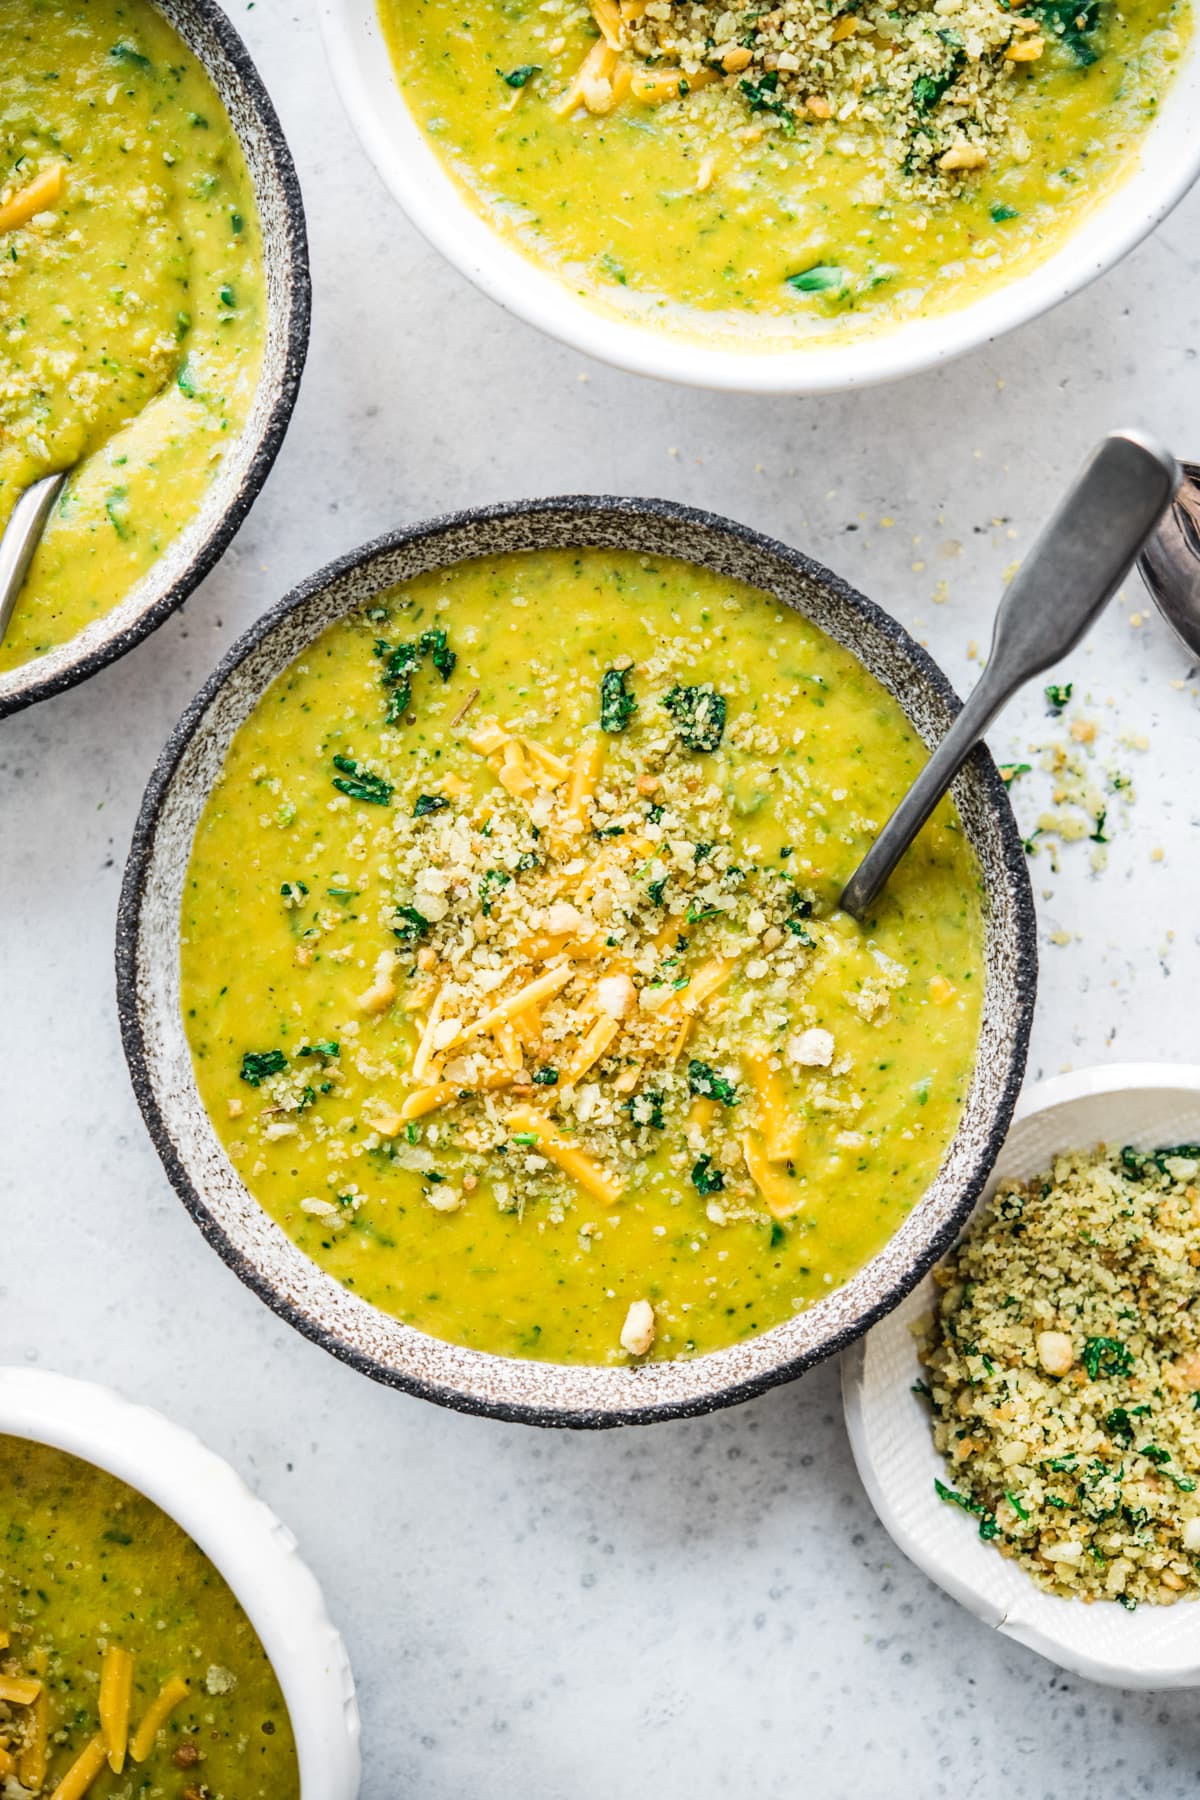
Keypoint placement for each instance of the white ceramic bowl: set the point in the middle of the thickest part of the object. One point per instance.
(1168, 163)
(238, 1533)
(1147, 1105)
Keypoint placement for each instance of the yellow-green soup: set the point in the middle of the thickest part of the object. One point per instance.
(132, 303)
(513, 974)
(850, 164)
(120, 1637)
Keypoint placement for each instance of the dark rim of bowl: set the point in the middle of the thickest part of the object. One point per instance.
(133, 888)
(296, 283)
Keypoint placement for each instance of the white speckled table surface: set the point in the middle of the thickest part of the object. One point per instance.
(700, 1608)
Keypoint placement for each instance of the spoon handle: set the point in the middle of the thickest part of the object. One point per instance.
(21, 537)
(1069, 576)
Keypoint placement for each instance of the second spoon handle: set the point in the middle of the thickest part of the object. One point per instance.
(22, 535)
(1069, 576)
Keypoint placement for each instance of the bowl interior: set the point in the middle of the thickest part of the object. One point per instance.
(148, 978)
(255, 1554)
(893, 1444)
(1167, 162)
(207, 32)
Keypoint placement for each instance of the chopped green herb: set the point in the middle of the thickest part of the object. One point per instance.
(124, 52)
(647, 1109)
(704, 1081)
(360, 784)
(1058, 695)
(706, 1179)
(545, 1077)
(517, 78)
(114, 506)
(323, 1047)
(1104, 1357)
(429, 803)
(1010, 772)
(433, 644)
(1002, 213)
(490, 879)
(819, 279)
(927, 90)
(762, 96)
(987, 1520)
(699, 713)
(1073, 24)
(1119, 1422)
(258, 1064)
(412, 924)
(617, 704)
(401, 662)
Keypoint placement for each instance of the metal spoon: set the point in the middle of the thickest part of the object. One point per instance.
(1170, 563)
(1072, 572)
(21, 537)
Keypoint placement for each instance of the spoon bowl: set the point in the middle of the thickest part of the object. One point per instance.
(1170, 563)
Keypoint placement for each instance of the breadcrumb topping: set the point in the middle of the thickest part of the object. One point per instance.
(1064, 1374)
(929, 85)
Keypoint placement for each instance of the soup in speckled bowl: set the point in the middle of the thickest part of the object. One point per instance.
(507, 983)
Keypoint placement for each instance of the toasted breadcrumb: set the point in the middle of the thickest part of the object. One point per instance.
(1064, 1374)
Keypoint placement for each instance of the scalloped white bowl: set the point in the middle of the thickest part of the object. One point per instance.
(241, 1536)
(1147, 1105)
(1167, 164)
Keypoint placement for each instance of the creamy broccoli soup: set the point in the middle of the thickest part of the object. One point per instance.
(513, 971)
(132, 303)
(777, 172)
(127, 1668)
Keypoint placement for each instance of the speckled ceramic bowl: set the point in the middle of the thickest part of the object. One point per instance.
(205, 29)
(261, 1253)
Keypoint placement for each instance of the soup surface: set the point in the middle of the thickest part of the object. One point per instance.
(132, 302)
(127, 1666)
(512, 971)
(777, 173)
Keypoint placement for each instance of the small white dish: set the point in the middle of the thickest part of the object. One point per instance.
(1147, 1105)
(241, 1536)
(1167, 162)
